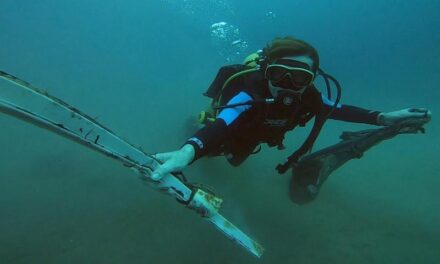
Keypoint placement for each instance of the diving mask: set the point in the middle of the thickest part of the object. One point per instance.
(287, 77)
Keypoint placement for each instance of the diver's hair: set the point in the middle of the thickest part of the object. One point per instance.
(289, 46)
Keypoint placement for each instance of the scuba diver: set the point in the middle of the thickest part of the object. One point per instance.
(259, 101)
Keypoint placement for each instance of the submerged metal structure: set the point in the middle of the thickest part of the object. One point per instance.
(22, 100)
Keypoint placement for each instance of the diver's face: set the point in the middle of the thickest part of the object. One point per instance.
(299, 64)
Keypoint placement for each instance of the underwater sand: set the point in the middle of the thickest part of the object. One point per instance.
(62, 203)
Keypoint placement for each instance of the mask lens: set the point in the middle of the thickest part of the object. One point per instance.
(285, 82)
(276, 74)
(288, 77)
(301, 78)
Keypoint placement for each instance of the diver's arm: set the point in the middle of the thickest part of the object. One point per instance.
(349, 113)
(204, 140)
(211, 137)
(207, 139)
(354, 114)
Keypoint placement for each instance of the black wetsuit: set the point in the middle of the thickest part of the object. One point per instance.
(238, 130)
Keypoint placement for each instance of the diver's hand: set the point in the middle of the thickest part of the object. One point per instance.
(173, 161)
(416, 114)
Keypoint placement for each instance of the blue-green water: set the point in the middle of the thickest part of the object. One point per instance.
(140, 68)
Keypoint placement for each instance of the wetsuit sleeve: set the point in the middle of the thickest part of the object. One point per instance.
(212, 136)
(351, 113)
